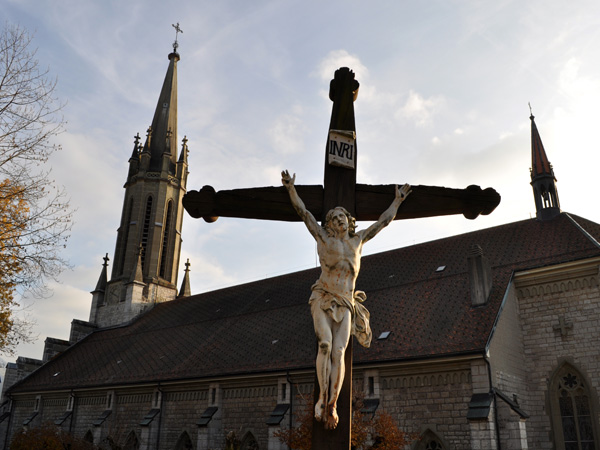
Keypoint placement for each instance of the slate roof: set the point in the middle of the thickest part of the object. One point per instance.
(265, 326)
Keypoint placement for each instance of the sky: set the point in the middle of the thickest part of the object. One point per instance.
(443, 100)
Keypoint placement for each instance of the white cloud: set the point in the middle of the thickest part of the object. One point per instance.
(287, 133)
(420, 110)
(341, 58)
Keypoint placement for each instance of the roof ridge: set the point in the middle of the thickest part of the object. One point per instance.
(583, 230)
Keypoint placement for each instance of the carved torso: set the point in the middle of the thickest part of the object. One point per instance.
(340, 263)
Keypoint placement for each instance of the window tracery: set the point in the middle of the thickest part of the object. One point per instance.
(573, 415)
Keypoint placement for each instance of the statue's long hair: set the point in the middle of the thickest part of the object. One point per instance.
(351, 221)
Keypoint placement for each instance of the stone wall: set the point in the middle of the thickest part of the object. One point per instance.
(86, 410)
(79, 330)
(436, 399)
(54, 346)
(432, 398)
(181, 413)
(506, 356)
(246, 410)
(560, 318)
(17, 371)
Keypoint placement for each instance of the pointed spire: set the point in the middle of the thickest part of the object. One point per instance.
(137, 274)
(540, 166)
(543, 180)
(103, 280)
(148, 142)
(136, 146)
(184, 150)
(185, 290)
(164, 123)
(134, 160)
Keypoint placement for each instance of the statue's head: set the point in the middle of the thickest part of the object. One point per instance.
(332, 213)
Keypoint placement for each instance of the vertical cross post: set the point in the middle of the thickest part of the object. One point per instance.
(340, 182)
(339, 190)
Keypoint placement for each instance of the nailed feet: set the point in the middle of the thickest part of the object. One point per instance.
(332, 417)
(320, 411)
(328, 415)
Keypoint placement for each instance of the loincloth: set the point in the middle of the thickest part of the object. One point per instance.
(334, 305)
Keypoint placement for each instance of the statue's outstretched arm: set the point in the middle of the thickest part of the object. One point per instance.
(311, 223)
(387, 216)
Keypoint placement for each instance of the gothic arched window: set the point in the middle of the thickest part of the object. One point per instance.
(89, 437)
(430, 441)
(573, 416)
(184, 442)
(132, 442)
(164, 251)
(146, 229)
(124, 237)
(249, 442)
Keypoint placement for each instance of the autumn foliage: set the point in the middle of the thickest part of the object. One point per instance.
(369, 432)
(14, 212)
(48, 437)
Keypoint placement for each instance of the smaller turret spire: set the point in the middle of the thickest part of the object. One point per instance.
(103, 280)
(137, 274)
(136, 146)
(543, 180)
(148, 140)
(134, 160)
(185, 290)
(184, 150)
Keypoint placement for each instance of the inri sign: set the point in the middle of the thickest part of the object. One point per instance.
(341, 148)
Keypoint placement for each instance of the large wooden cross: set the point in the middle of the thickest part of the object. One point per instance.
(364, 202)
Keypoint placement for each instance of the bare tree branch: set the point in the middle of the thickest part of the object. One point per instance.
(35, 213)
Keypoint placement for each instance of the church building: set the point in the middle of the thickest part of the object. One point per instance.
(484, 340)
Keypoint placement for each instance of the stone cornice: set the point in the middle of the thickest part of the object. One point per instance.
(574, 275)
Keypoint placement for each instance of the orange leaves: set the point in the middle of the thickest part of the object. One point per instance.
(48, 437)
(13, 219)
(369, 432)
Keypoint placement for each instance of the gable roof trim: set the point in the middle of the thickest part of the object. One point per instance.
(583, 230)
(558, 272)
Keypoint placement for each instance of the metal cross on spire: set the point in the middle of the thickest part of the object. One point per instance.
(177, 31)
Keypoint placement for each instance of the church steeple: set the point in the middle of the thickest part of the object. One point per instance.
(543, 180)
(148, 244)
(163, 142)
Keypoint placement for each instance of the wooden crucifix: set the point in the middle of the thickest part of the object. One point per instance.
(363, 202)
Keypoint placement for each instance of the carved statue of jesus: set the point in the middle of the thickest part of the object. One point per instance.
(335, 305)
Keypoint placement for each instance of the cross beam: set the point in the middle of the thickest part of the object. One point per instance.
(273, 203)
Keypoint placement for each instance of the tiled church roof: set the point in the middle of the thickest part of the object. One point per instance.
(266, 326)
